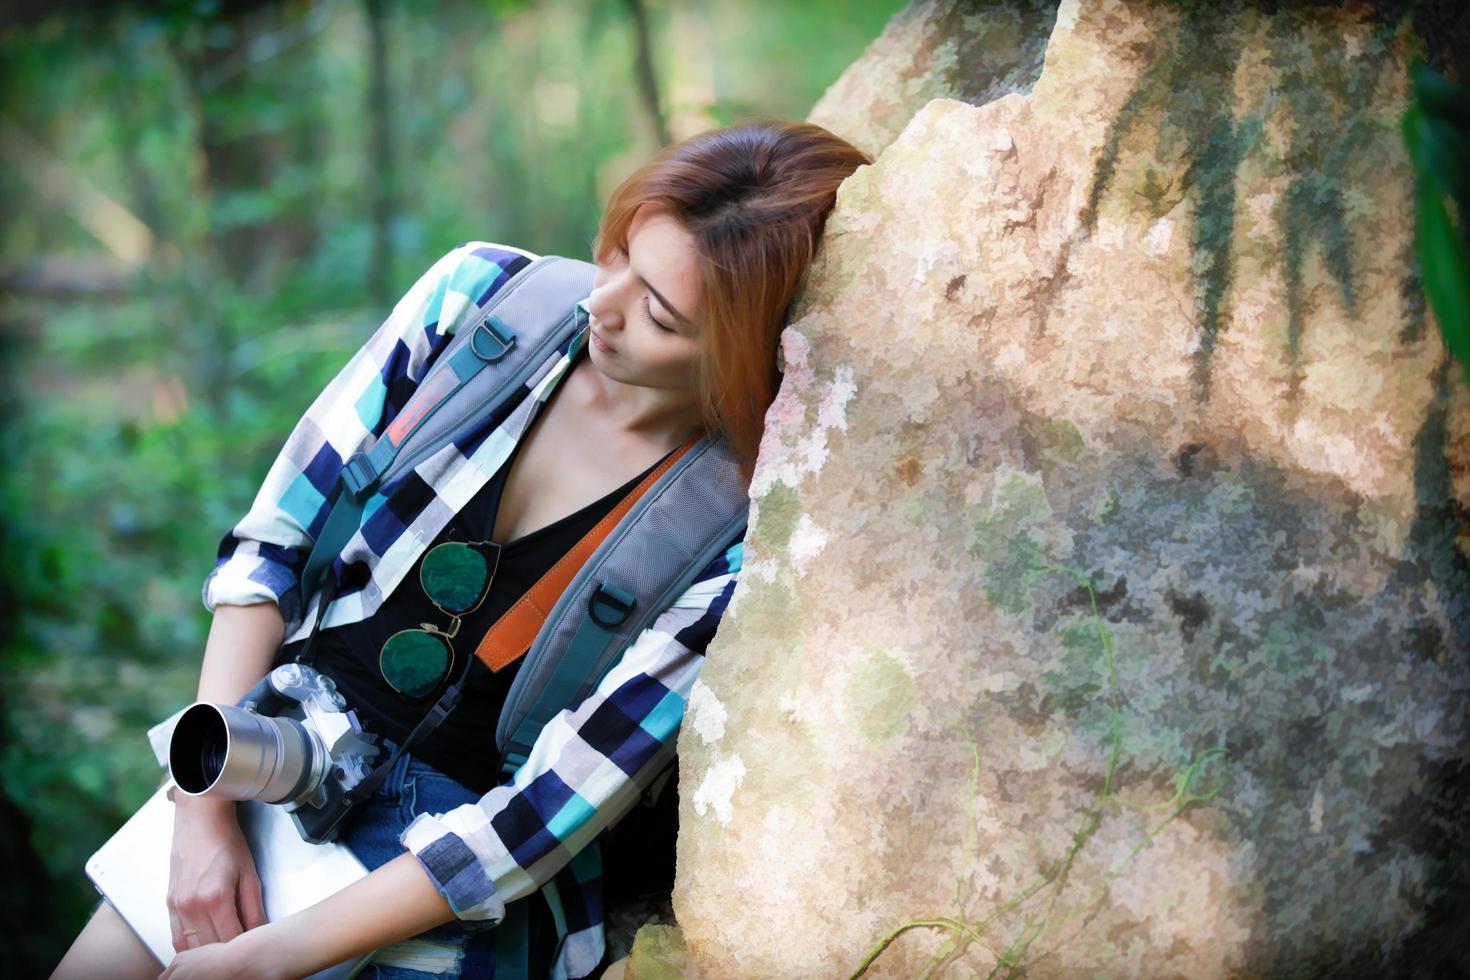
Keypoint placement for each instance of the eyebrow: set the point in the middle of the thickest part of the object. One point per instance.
(666, 304)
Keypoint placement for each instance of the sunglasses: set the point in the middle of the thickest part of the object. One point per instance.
(456, 577)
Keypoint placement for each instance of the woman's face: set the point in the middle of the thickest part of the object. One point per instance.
(642, 304)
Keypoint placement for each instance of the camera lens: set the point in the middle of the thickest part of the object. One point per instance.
(197, 749)
(211, 761)
(225, 751)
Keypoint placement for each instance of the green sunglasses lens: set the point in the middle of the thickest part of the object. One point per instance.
(454, 575)
(414, 661)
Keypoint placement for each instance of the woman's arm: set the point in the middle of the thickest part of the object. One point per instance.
(252, 590)
(214, 892)
(261, 559)
(394, 902)
(587, 767)
(242, 642)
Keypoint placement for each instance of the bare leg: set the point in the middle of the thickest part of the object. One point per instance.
(106, 947)
(615, 970)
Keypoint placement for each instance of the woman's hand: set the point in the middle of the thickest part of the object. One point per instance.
(249, 956)
(213, 888)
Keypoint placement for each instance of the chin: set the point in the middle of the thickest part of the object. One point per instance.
(600, 363)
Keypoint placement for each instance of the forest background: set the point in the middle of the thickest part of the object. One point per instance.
(208, 207)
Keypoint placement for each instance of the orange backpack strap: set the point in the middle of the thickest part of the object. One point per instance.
(515, 631)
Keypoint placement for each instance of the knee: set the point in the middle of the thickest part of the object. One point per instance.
(107, 947)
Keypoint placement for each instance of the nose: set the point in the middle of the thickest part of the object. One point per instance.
(604, 317)
(609, 299)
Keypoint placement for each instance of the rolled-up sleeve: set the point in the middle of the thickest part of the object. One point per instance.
(262, 557)
(587, 767)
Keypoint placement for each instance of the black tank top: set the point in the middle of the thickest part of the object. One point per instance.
(463, 747)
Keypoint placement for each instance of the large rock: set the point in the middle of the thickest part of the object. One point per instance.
(972, 50)
(1105, 601)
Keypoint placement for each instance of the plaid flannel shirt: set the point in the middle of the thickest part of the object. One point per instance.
(593, 759)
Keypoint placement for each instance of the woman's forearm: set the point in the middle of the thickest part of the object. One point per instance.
(396, 901)
(242, 642)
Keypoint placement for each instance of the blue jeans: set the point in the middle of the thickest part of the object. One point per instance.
(458, 947)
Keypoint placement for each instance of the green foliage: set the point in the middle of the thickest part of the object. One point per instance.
(1005, 536)
(150, 392)
(1436, 129)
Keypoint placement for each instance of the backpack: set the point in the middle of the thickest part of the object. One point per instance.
(652, 556)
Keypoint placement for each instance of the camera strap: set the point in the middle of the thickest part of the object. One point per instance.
(306, 655)
(435, 717)
(432, 720)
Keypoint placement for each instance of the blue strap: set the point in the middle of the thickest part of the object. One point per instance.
(491, 341)
(607, 607)
(513, 943)
(342, 524)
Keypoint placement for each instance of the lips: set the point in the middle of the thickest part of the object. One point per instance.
(602, 345)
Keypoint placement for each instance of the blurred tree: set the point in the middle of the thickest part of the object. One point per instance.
(380, 113)
(211, 204)
(643, 71)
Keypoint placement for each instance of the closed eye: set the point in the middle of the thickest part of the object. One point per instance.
(647, 310)
(649, 313)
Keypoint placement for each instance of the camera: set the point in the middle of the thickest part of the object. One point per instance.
(290, 740)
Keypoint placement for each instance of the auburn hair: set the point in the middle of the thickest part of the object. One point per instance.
(755, 198)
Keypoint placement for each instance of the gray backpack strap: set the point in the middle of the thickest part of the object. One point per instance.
(538, 304)
(473, 375)
(668, 537)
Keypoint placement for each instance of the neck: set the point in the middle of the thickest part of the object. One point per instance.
(664, 416)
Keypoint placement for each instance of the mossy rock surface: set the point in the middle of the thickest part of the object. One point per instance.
(658, 954)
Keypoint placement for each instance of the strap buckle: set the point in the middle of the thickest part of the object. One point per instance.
(358, 474)
(498, 339)
(619, 600)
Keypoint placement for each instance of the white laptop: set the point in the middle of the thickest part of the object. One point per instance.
(131, 869)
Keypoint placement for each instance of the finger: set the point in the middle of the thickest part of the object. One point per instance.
(176, 929)
(252, 904)
(198, 928)
(226, 920)
(186, 936)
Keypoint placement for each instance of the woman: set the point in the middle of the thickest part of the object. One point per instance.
(698, 258)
